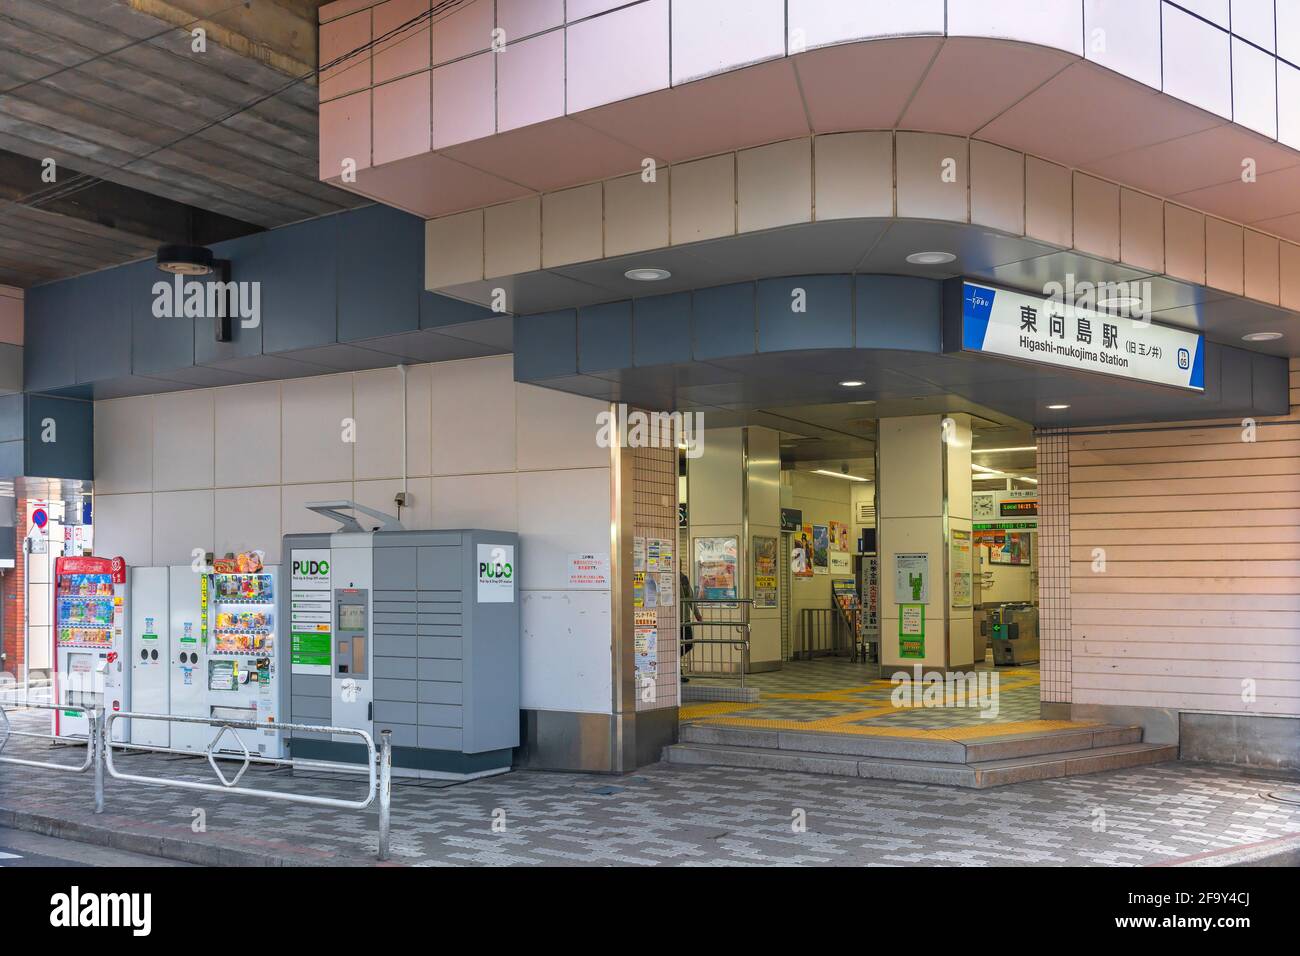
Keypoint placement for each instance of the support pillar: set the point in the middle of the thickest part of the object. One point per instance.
(923, 482)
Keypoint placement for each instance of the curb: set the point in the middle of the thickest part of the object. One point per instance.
(1282, 851)
(165, 847)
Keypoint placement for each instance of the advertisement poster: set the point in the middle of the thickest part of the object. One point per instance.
(652, 554)
(841, 562)
(651, 589)
(665, 596)
(638, 589)
(765, 586)
(646, 648)
(821, 549)
(496, 574)
(844, 537)
(666, 554)
(1005, 547)
(911, 630)
(959, 565)
(638, 554)
(871, 594)
(834, 527)
(715, 568)
(801, 553)
(912, 578)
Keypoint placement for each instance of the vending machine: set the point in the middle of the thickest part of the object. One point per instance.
(215, 632)
(150, 655)
(238, 631)
(90, 627)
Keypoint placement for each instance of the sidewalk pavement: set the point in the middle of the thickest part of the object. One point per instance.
(1169, 814)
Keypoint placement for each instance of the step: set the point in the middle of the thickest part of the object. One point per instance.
(992, 773)
(914, 748)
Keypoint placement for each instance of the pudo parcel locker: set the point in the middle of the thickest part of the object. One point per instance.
(416, 632)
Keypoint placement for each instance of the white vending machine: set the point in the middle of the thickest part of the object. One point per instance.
(90, 628)
(150, 655)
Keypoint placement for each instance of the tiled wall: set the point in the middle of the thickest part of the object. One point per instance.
(1054, 564)
(432, 88)
(229, 469)
(861, 175)
(1184, 550)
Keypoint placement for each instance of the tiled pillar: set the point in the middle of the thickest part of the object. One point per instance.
(923, 512)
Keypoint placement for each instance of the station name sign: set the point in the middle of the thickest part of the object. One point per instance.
(1047, 331)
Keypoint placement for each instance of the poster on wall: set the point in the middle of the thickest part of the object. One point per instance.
(715, 568)
(646, 648)
(959, 564)
(844, 537)
(1004, 547)
(801, 553)
(841, 563)
(911, 630)
(765, 576)
(834, 529)
(821, 549)
(665, 589)
(871, 595)
(638, 554)
(912, 578)
(589, 571)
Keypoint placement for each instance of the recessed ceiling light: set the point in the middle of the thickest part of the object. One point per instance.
(185, 260)
(1119, 302)
(930, 258)
(1057, 408)
(852, 383)
(647, 274)
(1261, 336)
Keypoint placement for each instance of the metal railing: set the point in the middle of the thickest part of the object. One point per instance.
(715, 638)
(100, 748)
(824, 631)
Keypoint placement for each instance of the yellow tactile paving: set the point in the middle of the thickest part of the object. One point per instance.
(946, 733)
(710, 709)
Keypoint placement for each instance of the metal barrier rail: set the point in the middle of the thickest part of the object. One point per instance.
(722, 657)
(100, 746)
(379, 778)
(7, 731)
(823, 631)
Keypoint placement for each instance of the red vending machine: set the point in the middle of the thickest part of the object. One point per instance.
(90, 669)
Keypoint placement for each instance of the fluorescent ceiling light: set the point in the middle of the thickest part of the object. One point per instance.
(1261, 336)
(837, 474)
(852, 383)
(647, 274)
(994, 451)
(1058, 408)
(930, 258)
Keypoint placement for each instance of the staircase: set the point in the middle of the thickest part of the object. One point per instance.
(977, 763)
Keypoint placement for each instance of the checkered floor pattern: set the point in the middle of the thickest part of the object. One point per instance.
(838, 695)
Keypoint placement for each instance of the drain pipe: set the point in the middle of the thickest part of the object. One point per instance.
(403, 498)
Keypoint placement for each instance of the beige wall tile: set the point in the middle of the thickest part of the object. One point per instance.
(1224, 268)
(512, 238)
(1141, 230)
(925, 161)
(1184, 243)
(854, 175)
(1262, 280)
(572, 225)
(453, 249)
(1289, 261)
(774, 185)
(1049, 208)
(636, 213)
(997, 187)
(1096, 216)
(703, 199)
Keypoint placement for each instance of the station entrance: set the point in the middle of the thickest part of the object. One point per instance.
(876, 596)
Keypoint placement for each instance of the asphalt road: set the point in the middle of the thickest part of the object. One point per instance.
(19, 848)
